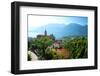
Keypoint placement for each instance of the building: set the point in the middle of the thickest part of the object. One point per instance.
(46, 35)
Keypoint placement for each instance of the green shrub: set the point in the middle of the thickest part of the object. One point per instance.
(29, 57)
(78, 47)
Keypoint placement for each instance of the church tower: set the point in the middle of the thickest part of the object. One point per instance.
(45, 32)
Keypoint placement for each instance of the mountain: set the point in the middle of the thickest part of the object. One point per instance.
(74, 29)
(63, 30)
(51, 28)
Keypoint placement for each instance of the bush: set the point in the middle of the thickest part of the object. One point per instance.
(50, 54)
(29, 56)
(78, 47)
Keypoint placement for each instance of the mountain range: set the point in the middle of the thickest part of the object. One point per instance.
(63, 30)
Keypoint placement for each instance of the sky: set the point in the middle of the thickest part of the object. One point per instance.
(36, 21)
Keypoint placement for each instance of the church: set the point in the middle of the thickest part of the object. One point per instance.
(46, 35)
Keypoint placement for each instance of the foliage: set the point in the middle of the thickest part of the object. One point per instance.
(42, 43)
(78, 47)
(29, 56)
(50, 54)
(45, 49)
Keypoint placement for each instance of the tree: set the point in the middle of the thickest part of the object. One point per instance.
(78, 47)
(42, 43)
(52, 36)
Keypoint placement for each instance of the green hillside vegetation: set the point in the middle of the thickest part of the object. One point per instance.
(78, 47)
(70, 48)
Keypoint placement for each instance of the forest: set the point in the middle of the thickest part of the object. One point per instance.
(48, 48)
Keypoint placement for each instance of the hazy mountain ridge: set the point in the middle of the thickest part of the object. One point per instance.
(74, 30)
(62, 30)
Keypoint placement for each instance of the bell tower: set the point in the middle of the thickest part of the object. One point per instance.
(45, 32)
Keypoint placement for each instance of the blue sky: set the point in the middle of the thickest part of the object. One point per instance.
(37, 21)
